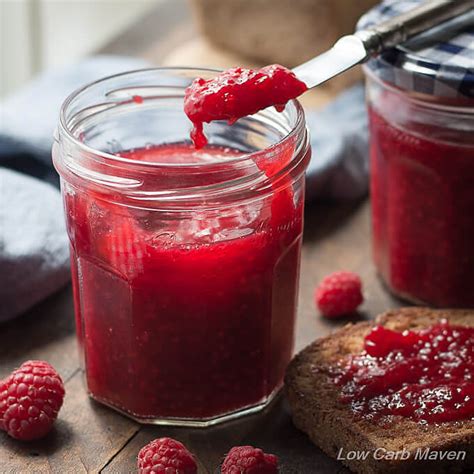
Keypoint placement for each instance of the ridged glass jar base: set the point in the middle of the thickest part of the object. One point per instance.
(197, 423)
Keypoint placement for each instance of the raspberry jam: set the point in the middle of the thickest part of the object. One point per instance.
(185, 318)
(422, 196)
(424, 375)
(236, 93)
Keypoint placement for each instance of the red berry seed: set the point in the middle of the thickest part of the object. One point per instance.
(339, 294)
(30, 399)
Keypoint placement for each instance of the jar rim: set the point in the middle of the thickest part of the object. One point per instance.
(77, 161)
(297, 128)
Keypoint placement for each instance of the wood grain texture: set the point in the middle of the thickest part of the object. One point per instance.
(49, 329)
(157, 30)
(337, 237)
(84, 439)
(91, 438)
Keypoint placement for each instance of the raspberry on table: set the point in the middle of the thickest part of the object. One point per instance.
(339, 293)
(249, 460)
(166, 456)
(30, 399)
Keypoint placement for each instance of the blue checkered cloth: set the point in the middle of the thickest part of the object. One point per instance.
(439, 62)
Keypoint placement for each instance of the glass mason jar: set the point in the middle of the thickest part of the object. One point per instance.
(421, 121)
(184, 263)
(422, 194)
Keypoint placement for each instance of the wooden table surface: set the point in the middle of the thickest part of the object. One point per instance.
(91, 438)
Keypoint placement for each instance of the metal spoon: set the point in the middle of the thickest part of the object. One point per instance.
(356, 48)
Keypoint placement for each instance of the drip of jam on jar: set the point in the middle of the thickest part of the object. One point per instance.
(426, 375)
(236, 93)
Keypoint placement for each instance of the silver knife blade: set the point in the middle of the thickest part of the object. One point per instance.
(346, 53)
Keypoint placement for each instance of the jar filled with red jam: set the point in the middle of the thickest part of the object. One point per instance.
(184, 262)
(421, 122)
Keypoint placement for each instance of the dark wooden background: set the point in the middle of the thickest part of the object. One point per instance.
(91, 438)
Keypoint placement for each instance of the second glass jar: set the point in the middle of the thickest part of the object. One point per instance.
(422, 193)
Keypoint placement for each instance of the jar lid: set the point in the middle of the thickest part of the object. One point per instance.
(439, 62)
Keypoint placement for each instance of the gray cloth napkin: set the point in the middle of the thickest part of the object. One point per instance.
(33, 241)
(34, 260)
(339, 167)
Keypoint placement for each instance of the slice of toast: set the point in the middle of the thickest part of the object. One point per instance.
(331, 425)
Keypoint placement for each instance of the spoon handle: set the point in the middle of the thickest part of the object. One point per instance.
(399, 29)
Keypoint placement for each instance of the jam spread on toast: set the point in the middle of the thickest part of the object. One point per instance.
(425, 375)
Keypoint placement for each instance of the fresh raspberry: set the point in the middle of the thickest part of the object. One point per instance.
(249, 460)
(338, 294)
(166, 456)
(30, 399)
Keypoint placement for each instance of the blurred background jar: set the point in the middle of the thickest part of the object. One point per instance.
(421, 112)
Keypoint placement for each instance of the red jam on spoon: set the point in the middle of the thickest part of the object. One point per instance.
(236, 93)
(425, 375)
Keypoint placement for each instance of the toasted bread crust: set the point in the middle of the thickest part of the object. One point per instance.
(316, 409)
